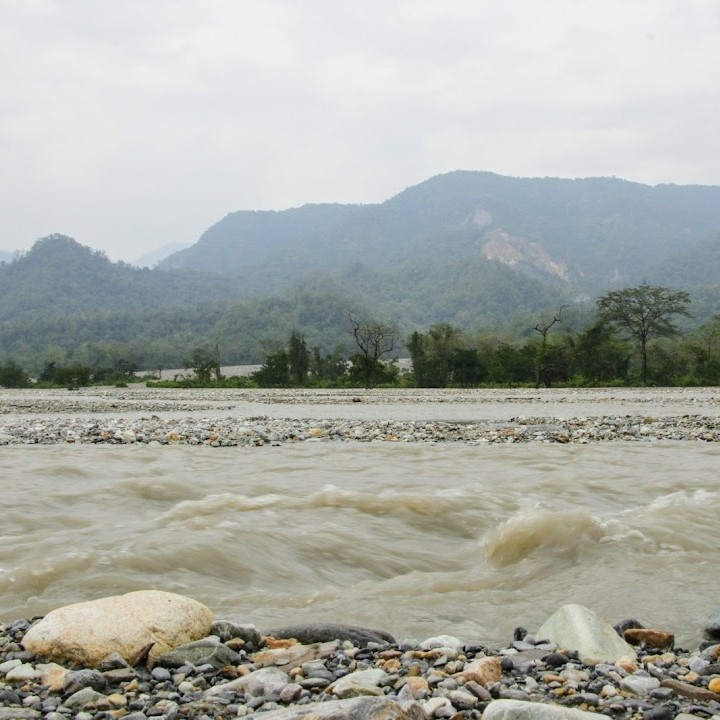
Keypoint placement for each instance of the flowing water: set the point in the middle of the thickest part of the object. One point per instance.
(414, 539)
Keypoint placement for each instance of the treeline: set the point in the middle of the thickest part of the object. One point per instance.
(632, 339)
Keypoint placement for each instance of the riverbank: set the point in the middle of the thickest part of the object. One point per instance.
(350, 673)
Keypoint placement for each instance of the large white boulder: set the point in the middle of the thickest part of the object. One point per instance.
(576, 627)
(87, 632)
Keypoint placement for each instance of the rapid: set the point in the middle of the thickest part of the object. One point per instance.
(415, 539)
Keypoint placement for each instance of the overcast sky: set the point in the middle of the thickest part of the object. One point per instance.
(132, 124)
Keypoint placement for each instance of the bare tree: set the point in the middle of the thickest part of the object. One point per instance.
(374, 340)
(541, 355)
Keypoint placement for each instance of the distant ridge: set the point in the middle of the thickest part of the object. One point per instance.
(587, 234)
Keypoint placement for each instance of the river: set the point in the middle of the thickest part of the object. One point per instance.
(416, 539)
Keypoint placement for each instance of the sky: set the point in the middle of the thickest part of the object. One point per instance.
(130, 125)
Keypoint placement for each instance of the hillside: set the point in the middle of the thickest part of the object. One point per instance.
(59, 277)
(584, 235)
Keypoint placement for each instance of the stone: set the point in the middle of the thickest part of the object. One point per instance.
(712, 626)
(226, 630)
(651, 638)
(82, 698)
(417, 687)
(293, 655)
(361, 682)
(208, 651)
(441, 641)
(268, 681)
(578, 628)
(21, 673)
(524, 710)
(360, 708)
(324, 632)
(482, 671)
(52, 676)
(714, 685)
(693, 692)
(78, 679)
(87, 632)
(19, 714)
(639, 684)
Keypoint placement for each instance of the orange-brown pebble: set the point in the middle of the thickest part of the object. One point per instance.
(483, 671)
(391, 666)
(653, 638)
(418, 685)
(714, 685)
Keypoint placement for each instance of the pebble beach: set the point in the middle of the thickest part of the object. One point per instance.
(239, 671)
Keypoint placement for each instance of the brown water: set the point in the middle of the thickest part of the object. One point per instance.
(415, 539)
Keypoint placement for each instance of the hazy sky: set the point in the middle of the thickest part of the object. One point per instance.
(132, 124)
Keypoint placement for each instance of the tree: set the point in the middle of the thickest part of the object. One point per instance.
(373, 339)
(204, 364)
(298, 359)
(642, 313)
(599, 356)
(13, 376)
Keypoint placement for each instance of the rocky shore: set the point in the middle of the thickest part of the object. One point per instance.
(263, 430)
(133, 657)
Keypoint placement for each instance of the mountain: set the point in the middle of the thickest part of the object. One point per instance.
(5, 257)
(583, 235)
(59, 277)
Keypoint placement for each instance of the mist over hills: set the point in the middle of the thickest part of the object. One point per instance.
(474, 249)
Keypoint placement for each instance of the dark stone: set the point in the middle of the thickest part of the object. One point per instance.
(556, 659)
(627, 624)
(507, 664)
(519, 633)
(661, 712)
(9, 697)
(321, 632)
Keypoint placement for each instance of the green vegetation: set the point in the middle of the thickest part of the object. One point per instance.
(632, 339)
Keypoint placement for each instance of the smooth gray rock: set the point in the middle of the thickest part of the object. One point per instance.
(323, 632)
(362, 708)
(639, 684)
(712, 626)
(524, 710)
(201, 652)
(578, 628)
(269, 681)
(19, 714)
(361, 682)
(82, 697)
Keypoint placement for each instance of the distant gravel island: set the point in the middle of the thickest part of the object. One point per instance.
(269, 417)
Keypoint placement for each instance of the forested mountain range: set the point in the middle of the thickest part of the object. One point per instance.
(584, 235)
(474, 249)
